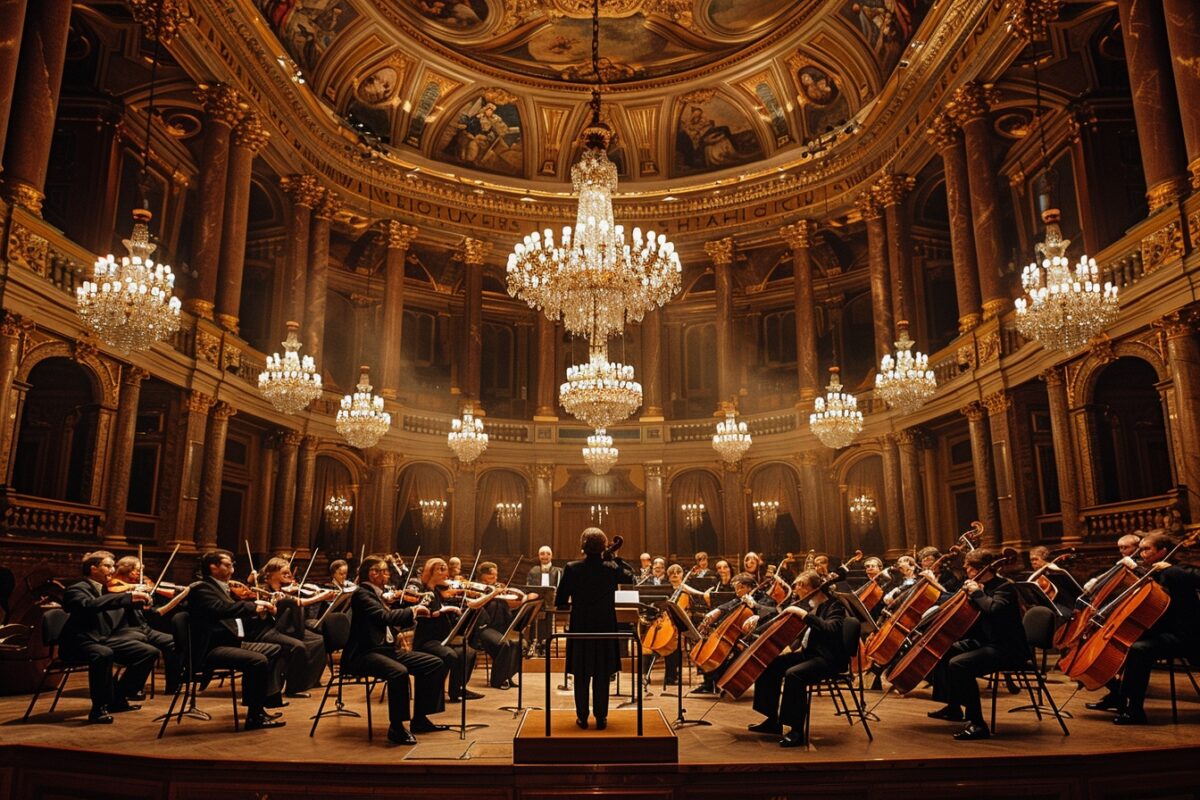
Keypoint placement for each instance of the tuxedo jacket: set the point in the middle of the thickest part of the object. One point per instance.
(213, 611)
(370, 622)
(94, 615)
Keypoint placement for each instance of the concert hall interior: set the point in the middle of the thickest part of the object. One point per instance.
(374, 373)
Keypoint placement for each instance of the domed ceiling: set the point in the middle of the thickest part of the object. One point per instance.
(500, 87)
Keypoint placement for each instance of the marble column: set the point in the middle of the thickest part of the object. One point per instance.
(316, 291)
(305, 193)
(121, 458)
(386, 471)
(881, 286)
(916, 529)
(211, 475)
(735, 507)
(306, 474)
(249, 137)
(656, 509)
(287, 442)
(259, 535)
(1183, 358)
(891, 191)
(970, 108)
(948, 140)
(399, 238)
(183, 492)
(222, 110)
(474, 253)
(891, 516)
(1064, 455)
(721, 253)
(462, 530)
(12, 23)
(935, 533)
(35, 93)
(652, 368)
(985, 480)
(811, 504)
(12, 327)
(547, 360)
(1010, 495)
(799, 235)
(1155, 105)
(1183, 35)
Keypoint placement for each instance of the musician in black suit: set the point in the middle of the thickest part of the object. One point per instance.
(588, 588)
(995, 641)
(743, 587)
(371, 650)
(150, 623)
(494, 620)
(543, 573)
(92, 634)
(433, 629)
(218, 628)
(821, 654)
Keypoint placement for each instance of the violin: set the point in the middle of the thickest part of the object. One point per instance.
(241, 591)
(163, 589)
(407, 597)
(455, 587)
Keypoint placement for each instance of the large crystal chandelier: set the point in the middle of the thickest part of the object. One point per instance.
(361, 420)
(905, 381)
(731, 439)
(600, 392)
(693, 515)
(592, 278)
(290, 382)
(466, 437)
(599, 453)
(432, 513)
(862, 509)
(130, 304)
(766, 513)
(337, 513)
(508, 515)
(836, 419)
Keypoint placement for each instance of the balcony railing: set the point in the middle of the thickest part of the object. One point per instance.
(1112, 520)
(23, 515)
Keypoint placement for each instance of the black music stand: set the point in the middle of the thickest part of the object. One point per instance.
(462, 631)
(549, 612)
(867, 626)
(684, 630)
(525, 614)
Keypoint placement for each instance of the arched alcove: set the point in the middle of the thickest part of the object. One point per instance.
(775, 482)
(689, 488)
(422, 481)
(56, 442)
(1130, 438)
(492, 535)
(865, 478)
(333, 478)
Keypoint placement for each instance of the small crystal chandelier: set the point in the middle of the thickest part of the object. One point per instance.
(693, 515)
(836, 419)
(598, 513)
(593, 279)
(905, 381)
(508, 515)
(466, 437)
(337, 513)
(432, 513)
(862, 509)
(766, 513)
(600, 392)
(130, 305)
(290, 382)
(731, 439)
(600, 454)
(361, 420)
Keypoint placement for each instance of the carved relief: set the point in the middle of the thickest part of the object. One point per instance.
(998, 403)
(1194, 228)
(1163, 245)
(720, 251)
(989, 346)
(208, 346)
(27, 249)
(432, 89)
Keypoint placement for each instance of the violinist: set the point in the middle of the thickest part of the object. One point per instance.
(820, 654)
(743, 586)
(93, 634)
(701, 569)
(303, 648)
(1176, 634)
(1064, 590)
(339, 573)
(995, 641)
(946, 577)
(371, 650)
(146, 623)
(399, 570)
(432, 629)
(494, 619)
(753, 564)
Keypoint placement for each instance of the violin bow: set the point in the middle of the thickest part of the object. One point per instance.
(471, 577)
(166, 566)
(249, 556)
(311, 561)
(292, 560)
(514, 572)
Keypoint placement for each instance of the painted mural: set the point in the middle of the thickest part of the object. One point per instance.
(822, 104)
(486, 135)
(711, 134)
(461, 15)
(763, 89)
(887, 25)
(307, 27)
(742, 16)
(372, 101)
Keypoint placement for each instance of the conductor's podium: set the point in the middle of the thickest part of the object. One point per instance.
(618, 744)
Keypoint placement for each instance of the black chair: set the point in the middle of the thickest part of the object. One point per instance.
(336, 630)
(1039, 633)
(8, 583)
(53, 622)
(1174, 665)
(841, 685)
(193, 677)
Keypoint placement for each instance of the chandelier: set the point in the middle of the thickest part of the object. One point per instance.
(508, 515)
(598, 513)
(592, 278)
(600, 392)
(731, 439)
(337, 513)
(862, 509)
(766, 513)
(290, 382)
(599, 453)
(693, 514)
(836, 419)
(130, 304)
(361, 420)
(466, 437)
(432, 513)
(904, 381)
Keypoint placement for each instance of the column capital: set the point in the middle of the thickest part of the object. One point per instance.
(943, 132)
(285, 438)
(1053, 376)
(799, 234)
(655, 471)
(867, 205)
(222, 103)
(1030, 19)
(892, 188)
(250, 133)
(998, 403)
(14, 324)
(907, 437)
(720, 251)
(328, 207)
(310, 442)
(132, 376)
(305, 190)
(198, 402)
(222, 410)
(973, 411)
(1178, 324)
(971, 101)
(545, 472)
(160, 19)
(400, 236)
(475, 251)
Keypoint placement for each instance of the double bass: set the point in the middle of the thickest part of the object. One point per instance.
(662, 637)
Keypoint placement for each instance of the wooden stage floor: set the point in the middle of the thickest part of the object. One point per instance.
(58, 755)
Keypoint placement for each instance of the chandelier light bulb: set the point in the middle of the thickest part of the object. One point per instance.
(432, 513)
(766, 513)
(905, 381)
(693, 515)
(732, 439)
(508, 515)
(836, 420)
(862, 509)
(600, 393)
(290, 382)
(361, 420)
(337, 513)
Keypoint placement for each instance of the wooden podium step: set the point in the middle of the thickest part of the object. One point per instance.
(618, 744)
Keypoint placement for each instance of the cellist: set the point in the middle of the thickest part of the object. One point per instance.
(996, 640)
(1176, 634)
(743, 587)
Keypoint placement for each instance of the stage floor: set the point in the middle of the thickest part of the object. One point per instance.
(907, 744)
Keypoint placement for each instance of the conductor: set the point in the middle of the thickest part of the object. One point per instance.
(588, 587)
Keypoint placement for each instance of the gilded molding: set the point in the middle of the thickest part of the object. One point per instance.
(545, 472)
(475, 251)
(1165, 193)
(971, 101)
(161, 20)
(720, 251)
(25, 196)
(286, 438)
(304, 190)
(251, 134)
(222, 103)
(1179, 324)
(999, 403)
(891, 189)
(1194, 226)
(943, 132)
(1162, 245)
(1030, 19)
(973, 411)
(399, 235)
(27, 249)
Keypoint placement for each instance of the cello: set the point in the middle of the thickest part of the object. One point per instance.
(711, 651)
(1107, 586)
(951, 622)
(1042, 579)
(661, 638)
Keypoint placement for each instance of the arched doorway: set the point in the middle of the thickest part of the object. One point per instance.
(1132, 459)
(418, 526)
(864, 479)
(501, 513)
(775, 483)
(692, 530)
(332, 478)
(56, 442)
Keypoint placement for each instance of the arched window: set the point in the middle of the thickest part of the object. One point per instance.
(1131, 439)
(779, 338)
(56, 443)
(418, 338)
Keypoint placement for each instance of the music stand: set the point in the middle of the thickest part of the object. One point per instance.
(1033, 595)
(867, 626)
(683, 629)
(462, 630)
(525, 614)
